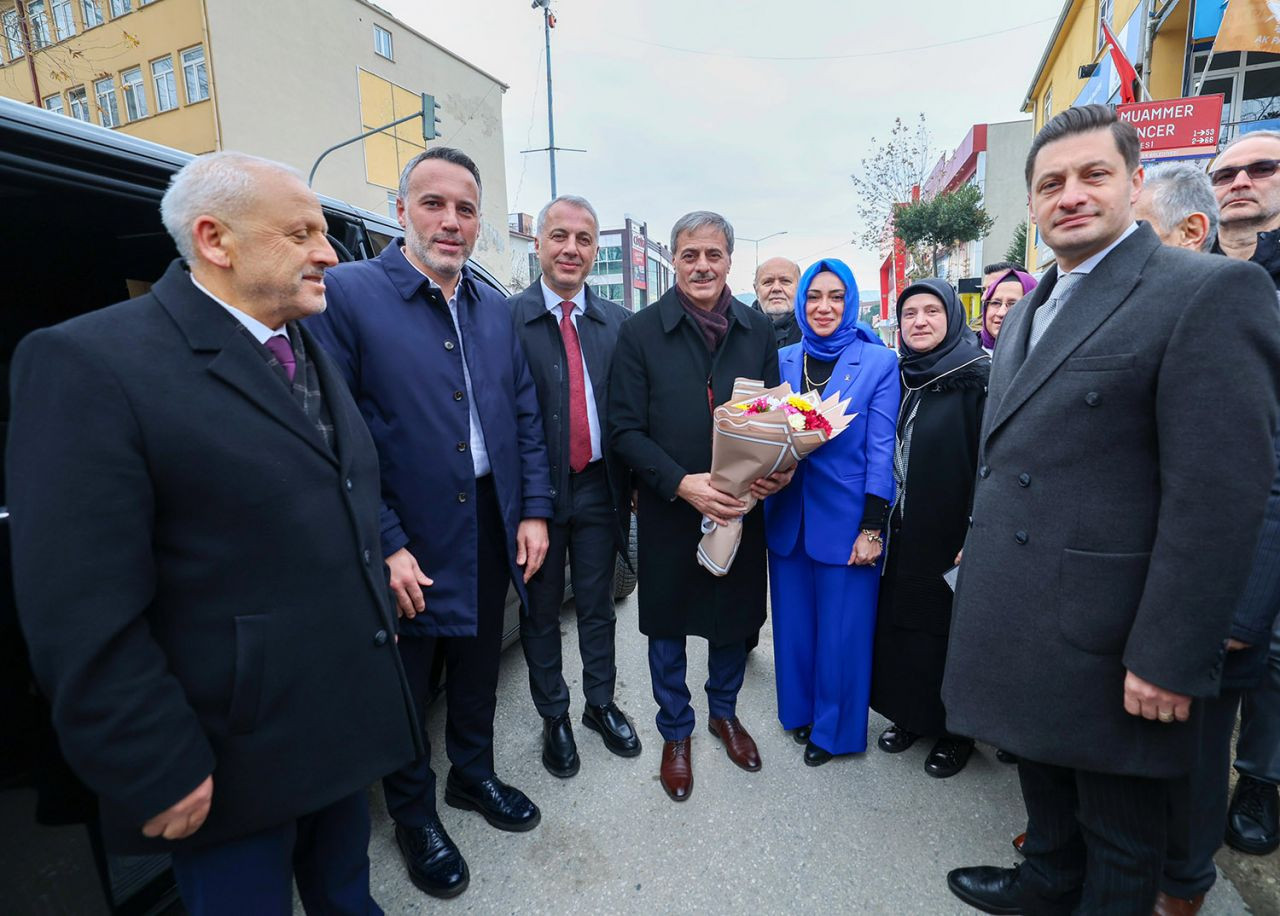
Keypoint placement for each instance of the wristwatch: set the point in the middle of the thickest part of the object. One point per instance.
(873, 536)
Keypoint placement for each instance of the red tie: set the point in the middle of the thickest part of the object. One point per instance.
(579, 426)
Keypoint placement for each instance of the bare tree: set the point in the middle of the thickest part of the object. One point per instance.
(886, 177)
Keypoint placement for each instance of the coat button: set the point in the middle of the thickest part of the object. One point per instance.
(368, 557)
(457, 395)
(462, 497)
(462, 446)
(555, 416)
(448, 344)
(984, 472)
(349, 484)
(1024, 480)
(1093, 399)
(1020, 537)
(553, 492)
(380, 638)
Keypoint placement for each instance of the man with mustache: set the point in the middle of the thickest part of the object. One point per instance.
(775, 286)
(431, 357)
(568, 334)
(1246, 180)
(675, 361)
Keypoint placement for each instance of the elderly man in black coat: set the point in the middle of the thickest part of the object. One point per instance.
(674, 362)
(1115, 515)
(195, 525)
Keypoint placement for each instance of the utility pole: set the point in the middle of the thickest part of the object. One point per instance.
(548, 23)
(759, 240)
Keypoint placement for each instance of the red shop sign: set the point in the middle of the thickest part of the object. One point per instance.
(1174, 128)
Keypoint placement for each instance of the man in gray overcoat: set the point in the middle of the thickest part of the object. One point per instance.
(1119, 497)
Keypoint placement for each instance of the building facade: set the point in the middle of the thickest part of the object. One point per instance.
(631, 268)
(285, 80)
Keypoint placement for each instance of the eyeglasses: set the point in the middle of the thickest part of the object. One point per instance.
(1263, 168)
(1001, 303)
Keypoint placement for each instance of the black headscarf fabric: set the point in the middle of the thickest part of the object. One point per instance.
(959, 347)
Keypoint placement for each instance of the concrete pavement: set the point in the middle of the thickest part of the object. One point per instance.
(864, 834)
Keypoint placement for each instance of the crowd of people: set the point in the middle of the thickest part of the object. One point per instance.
(296, 486)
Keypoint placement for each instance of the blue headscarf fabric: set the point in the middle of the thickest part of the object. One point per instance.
(850, 329)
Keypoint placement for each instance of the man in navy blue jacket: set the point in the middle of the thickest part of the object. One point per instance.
(441, 380)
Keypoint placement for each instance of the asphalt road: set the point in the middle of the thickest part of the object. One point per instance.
(865, 834)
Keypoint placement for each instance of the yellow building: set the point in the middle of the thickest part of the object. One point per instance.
(285, 79)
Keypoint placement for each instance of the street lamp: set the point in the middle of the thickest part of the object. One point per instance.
(759, 240)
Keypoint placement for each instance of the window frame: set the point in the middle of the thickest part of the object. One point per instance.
(172, 77)
(378, 32)
(134, 91)
(12, 30)
(102, 99)
(1107, 14)
(203, 65)
(119, 8)
(81, 102)
(67, 7)
(39, 25)
(97, 19)
(62, 106)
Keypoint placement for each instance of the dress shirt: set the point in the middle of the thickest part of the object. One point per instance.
(261, 333)
(579, 301)
(479, 454)
(1094, 260)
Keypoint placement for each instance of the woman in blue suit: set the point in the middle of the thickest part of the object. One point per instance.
(824, 531)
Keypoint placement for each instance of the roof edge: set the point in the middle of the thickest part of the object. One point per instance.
(1044, 58)
(435, 44)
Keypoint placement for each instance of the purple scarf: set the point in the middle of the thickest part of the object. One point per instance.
(1028, 284)
(713, 323)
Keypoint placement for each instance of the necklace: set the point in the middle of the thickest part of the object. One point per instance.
(809, 383)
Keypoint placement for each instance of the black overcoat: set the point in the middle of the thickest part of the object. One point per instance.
(539, 333)
(1123, 468)
(914, 613)
(197, 573)
(660, 426)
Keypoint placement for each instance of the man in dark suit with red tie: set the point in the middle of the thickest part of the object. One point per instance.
(568, 334)
(194, 503)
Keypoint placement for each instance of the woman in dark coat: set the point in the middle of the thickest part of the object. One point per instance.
(943, 372)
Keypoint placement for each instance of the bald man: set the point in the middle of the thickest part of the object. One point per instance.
(775, 286)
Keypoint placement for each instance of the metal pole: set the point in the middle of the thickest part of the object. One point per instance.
(551, 121)
(30, 47)
(366, 134)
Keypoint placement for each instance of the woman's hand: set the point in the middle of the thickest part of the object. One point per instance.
(865, 551)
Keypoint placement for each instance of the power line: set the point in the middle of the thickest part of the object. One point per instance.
(820, 57)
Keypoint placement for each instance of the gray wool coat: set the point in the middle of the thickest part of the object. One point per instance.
(1122, 474)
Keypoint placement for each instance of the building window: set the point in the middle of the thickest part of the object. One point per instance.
(91, 13)
(38, 18)
(105, 92)
(12, 34)
(1048, 106)
(166, 85)
(382, 42)
(611, 291)
(79, 102)
(391, 204)
(1106, 11)
(64, 21)
(608, 261)
(195, 75)
(135, 94)
(54, 103)
(1248, 84)
(145, 2)
(119, 8)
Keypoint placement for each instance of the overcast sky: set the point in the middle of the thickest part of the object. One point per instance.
(768, 143)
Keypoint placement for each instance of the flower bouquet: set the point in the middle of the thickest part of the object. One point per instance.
(760, 431)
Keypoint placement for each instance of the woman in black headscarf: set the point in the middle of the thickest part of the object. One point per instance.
(943, 372)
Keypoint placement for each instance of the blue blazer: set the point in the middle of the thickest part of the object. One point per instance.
(830, 486)
(397, 349)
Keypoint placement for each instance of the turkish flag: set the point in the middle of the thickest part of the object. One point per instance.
(1128, 75)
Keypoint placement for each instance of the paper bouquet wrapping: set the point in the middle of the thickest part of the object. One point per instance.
(759, 431)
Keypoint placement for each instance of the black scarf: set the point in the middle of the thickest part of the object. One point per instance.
(958, 348)
(713, 323)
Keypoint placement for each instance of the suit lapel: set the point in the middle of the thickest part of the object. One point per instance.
(1095, 297)
(789, 367)
(846, 370)
(591, 334)
(333, 390)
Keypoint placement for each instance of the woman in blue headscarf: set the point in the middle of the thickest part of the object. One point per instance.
(825, 531)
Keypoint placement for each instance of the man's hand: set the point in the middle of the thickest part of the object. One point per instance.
(1235, 645)
(407, 582)
(1145, 699)
(767, 486)
(531, 545)
(720, 507)
(184, 818)
(865, 551)
(959, 557)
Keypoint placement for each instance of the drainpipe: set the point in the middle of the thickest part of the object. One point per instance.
(30, 48)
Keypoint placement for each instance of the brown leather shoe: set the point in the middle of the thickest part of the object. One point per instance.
(677, 768)
(740, 745)
(1177, 906)
(1018, 841)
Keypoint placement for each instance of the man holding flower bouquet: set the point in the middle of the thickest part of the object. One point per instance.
(674, 363)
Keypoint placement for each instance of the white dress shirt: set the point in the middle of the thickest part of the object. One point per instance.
(261, 333)
(579, 301)
(1089, 263)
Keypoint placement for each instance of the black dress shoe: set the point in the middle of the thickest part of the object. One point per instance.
(801, 734)
(1253, 820)
(986, 888)
(614, 727)
(559, 752)
(815, 756)
(948, 757)
(895, 739)
(434, 863)
(1005, 757)
(503, 806)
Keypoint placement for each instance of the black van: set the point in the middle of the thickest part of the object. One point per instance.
(79, 230)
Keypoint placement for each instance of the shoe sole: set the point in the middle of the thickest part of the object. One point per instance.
(979, 905)
(604, 736)
(566, 773)
(454, 800)
(1239, 844)
(818, 763)
(754, 769)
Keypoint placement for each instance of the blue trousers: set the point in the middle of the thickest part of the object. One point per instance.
(668, 667)
(327, 851)
(824, 623)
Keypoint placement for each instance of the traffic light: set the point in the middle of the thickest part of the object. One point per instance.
(430, 120)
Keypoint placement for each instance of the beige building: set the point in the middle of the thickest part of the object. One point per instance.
(285, 79)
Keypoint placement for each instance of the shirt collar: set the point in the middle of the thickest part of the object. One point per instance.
(432, 283)
(552, 300)
(1094, 260)
(261, 333)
